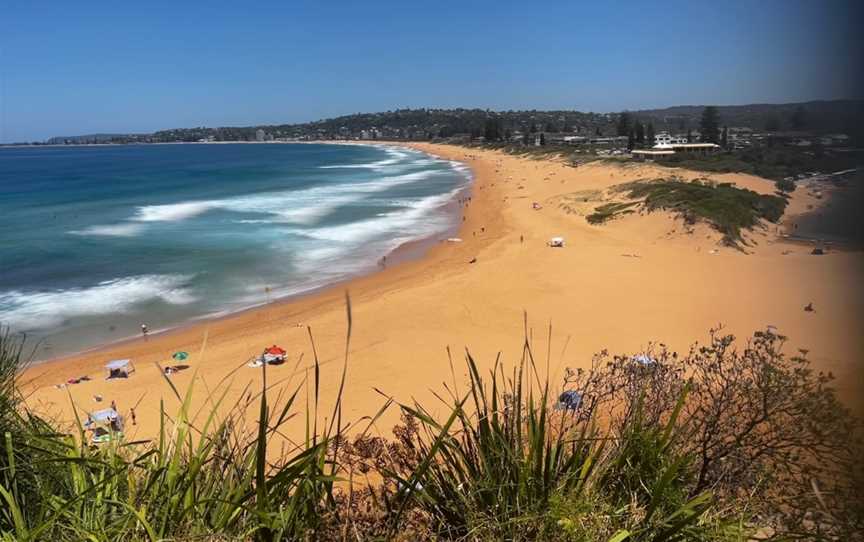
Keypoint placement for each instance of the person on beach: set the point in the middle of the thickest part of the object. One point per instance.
(132, 415)
(144, 330)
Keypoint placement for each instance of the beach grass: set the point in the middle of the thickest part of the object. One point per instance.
(505, 460)
(609, 210)
(727, 208)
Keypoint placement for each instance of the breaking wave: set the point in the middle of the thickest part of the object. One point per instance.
(50, 308)
(111, 230)
(292, 206)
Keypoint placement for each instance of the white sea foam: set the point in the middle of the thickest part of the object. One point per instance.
(303, 206)
(47, 309)
(111, 230)
(173, 212)
(418, 219)
(396, 156)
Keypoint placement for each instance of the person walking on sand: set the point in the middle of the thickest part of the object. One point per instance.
(132, 415)
(144, 330)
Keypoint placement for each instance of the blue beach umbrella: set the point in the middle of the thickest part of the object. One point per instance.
(180, 356)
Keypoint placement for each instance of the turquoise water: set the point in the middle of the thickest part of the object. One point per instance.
(95, 241)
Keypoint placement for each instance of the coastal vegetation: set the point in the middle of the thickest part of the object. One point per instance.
(771, 162)
(837, 116)
(727, 208)
(715, 444)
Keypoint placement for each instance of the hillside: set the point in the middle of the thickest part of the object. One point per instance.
(846, 116)
(820, 116)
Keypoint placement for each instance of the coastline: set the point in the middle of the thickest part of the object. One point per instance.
(402, 246)
(830, 220)
(406, 315)
(406, 252)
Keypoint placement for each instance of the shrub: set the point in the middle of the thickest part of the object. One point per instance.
(759, 426)
(786, 185)
(725, 207)
(707, 446)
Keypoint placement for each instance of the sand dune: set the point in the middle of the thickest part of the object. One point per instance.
(617, 286)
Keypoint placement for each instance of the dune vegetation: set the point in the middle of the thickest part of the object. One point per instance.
(714, 444)
(727, 208)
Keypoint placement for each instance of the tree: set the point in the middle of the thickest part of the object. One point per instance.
(689, 135)
(772, 123)
(724, 139)
(542, 139)
(624, 124)
(631, 140)
(650, 135)
(598, 133)
(710, 125)
(799, 118)
(492, 130)
(785, 185)
(640, 134)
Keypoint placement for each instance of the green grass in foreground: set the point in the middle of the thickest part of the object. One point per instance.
(651, 454)
(727, 208)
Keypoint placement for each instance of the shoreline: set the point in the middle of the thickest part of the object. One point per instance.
(829, 203)
(404, 253)
(408, 250)
(474, 295)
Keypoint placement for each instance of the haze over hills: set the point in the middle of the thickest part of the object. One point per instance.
(846, 116)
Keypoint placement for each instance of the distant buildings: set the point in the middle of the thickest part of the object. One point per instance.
(693, 149)
(665, 140)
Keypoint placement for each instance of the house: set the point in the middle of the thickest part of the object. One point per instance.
(665, 140)
(701, 149)
(651, 154)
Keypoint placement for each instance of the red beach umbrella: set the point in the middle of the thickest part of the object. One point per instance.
(276, 351)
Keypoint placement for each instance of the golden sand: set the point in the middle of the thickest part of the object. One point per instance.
(617, 286)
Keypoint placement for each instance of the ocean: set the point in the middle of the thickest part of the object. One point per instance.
(95, 241)
(837, 221)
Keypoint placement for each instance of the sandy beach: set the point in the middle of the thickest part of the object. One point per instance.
(617, 286)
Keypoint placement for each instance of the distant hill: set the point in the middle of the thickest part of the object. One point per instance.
(96, 138)
(844, 116)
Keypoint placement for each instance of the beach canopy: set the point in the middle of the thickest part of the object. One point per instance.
(118, 364)
(107, 425)
(276, 351)
(556, 242)
(180, 356)
(101, 416)
(119, 368)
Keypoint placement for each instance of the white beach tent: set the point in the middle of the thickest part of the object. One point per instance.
(107, 415)
(119, 368)
(556, 242)
(106, 425)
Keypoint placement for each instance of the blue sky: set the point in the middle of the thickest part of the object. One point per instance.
(84, 67)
